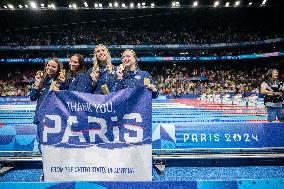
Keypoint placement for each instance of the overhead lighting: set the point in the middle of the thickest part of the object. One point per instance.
(152, 5)
(123, 5)
(237, 3)
(227, 4)
(131, 5)
(33, 5)
(143, 4)
(110, 4)
(86, 4)
(74, 5)
(20, 6)
(216, 3)
(5, 7)
(116, 4)
(51, 6)
(250, 3)
(41, 5)
(195, 4)
(263, 2)
(138, 5)
(96, 5)
(11, 6)
(26, 6)
(175, 4)
(100, 5)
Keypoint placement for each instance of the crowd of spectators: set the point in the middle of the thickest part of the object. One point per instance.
(180, 80)
(170, 79)
(16, 82)
(173, 80)
(120, 35)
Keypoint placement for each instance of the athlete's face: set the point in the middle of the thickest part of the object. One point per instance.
(128, 59)
(74, 64)
(101, 53)
(51, 68)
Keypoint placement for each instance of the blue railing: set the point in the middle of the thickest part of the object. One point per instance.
(154, 59)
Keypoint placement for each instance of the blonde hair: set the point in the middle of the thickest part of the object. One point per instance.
(96, 64)
(134, 55)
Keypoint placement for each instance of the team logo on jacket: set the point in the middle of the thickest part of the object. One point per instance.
(137, 77)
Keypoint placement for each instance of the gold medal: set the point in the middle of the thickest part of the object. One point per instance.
(54, 86)
(146, 81)
(121, 67)
(105, 89)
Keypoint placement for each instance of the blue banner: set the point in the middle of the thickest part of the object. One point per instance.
(94, 113)
(218, 135)
(105, 137)
(153, 59)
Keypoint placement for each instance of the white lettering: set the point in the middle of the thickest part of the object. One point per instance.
(139, 134)
(185, 137)
(69, 133)
(100, 132)
(56, 129)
